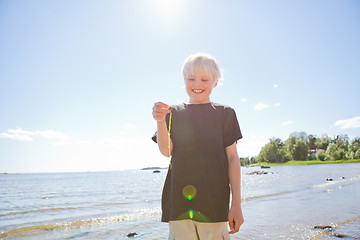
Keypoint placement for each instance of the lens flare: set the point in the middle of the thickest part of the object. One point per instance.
(191, 214)
(194, 215)
(189, 192)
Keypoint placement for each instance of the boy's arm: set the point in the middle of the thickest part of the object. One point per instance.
(159, 113)
(236, 218)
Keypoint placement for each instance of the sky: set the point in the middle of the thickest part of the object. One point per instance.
(78, 79)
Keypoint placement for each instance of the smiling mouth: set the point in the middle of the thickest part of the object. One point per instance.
(197, 91)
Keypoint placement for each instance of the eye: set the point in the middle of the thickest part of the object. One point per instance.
(190, 79)
(204, 80)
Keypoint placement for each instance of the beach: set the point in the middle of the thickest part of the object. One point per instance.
(286, 203)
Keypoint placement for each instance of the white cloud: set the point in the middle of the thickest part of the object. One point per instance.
(287, 122)
(261, 106)
(277, 104)
(15, 136)
(275, 85)
(51, 134)
(20, 131)
(244, 99)
(19, 134)
(348, 123)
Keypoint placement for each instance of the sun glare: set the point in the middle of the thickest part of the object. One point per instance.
(169, 8)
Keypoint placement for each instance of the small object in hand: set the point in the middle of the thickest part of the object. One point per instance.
(132, 234)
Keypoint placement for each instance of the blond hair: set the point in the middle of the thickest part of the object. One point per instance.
(203, 63)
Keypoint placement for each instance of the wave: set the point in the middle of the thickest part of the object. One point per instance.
(344, 182)
(37, 211)
(268, 195)
(58, 209)
(338, 187)
(322, 234)
(38, 229)
(329, 183)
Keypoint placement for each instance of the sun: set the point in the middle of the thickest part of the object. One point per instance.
(169, 8)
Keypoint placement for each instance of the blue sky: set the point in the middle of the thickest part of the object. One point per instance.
(78, 79)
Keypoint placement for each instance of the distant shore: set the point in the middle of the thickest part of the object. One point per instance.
(309, 162)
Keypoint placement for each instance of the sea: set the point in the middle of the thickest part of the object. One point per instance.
(289, 202)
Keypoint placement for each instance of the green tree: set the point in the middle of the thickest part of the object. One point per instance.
(311, 141)
(273, 152)
(245, 161)
(323, 142)
(353, 151)
(333, 152)
(301, 150)
(289, 146)
(342, 141)
(321, 156)
(297, 146)
(296, 149)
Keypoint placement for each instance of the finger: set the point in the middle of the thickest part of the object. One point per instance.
(160, 111)
(163, 109)
(159, 114)
(231, 223)
(232, 231)
(162, 105)
(237, 226)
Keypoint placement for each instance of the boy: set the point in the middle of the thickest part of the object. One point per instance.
(204, 159)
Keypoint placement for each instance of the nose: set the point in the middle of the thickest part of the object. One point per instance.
(197, 83)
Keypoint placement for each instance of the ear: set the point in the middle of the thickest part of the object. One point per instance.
(216, 83)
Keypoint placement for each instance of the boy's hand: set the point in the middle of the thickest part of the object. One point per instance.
(160, 110)
(236, 219)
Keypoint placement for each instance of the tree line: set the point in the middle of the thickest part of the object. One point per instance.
(301, 146)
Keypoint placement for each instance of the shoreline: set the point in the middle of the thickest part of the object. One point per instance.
(306, 162)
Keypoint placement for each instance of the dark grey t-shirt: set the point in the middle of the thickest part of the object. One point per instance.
(197, 183)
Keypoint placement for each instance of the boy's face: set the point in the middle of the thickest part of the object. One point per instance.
(199, 87)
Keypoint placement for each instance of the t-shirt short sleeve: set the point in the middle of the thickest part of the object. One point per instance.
(231, 128)
(154, 137)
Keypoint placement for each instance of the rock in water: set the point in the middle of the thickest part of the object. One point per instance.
(257, 172)
(339, 235)
(132, 234)
(324, 227)
(262, 166)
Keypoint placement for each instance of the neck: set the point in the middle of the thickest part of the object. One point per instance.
(199, 102)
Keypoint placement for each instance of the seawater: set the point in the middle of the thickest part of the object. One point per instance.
(286, 203)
